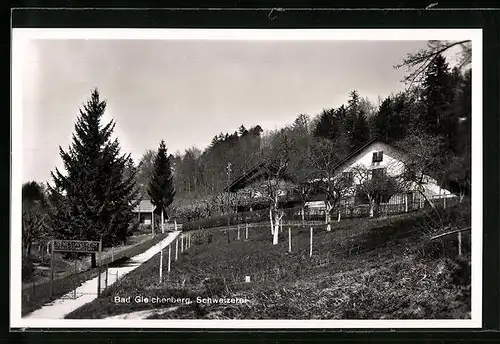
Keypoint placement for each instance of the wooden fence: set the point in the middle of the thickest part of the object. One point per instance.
(397, 205)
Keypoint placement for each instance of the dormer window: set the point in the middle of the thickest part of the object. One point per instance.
(378, 156)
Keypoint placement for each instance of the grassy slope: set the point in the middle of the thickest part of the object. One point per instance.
(37, 295)
(365, 269)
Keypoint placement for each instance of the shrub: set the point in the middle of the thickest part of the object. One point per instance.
(27, 269)
(214, 286)
(133, 227)
(201, 237)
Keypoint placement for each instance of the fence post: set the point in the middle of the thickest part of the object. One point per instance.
(246, 231)
(74, 283)
(107, 271)
(406, 203)
(444, 202)
(289, 240)
(311, 244)
(176, 248)
(238, 231)
(52, 268)
(161, 264)
(169, 253)
(460, 244)
(99, 281)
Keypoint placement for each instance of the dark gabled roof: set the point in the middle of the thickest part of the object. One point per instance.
(355, 152)
(252, 173)
(242, 180)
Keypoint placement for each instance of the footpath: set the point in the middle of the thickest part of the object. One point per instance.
(87, 291)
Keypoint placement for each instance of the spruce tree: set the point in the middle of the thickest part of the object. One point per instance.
(161, 186)
(361, 132)
(93, 199)
(351, 115)
(438, 95)
(327, 126)
(382, 120)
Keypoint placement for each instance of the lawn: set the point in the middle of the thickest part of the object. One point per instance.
(35, 295)
(362, 269)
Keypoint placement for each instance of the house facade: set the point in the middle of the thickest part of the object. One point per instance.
(377, 158)
(373, 159)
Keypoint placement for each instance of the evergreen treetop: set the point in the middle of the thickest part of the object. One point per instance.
(92, 200)
(161, 186)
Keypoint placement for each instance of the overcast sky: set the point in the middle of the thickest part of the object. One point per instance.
(185, 92)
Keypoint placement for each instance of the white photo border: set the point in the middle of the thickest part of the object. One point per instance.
(21, 36)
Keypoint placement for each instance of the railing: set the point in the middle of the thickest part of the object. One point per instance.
(397, 205)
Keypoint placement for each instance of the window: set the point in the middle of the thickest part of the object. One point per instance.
(378, 156)
(348, 177)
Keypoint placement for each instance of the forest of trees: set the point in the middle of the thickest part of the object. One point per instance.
(429, 120)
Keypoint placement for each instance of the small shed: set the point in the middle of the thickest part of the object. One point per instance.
(144, 211)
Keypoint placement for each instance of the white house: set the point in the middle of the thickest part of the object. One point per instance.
(377, 157)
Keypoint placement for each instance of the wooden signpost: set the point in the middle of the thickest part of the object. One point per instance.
(76, 246)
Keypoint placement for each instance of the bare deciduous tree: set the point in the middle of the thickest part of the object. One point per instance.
(276, 160)
(417, 63)
(377, 188)
(422, 160)
(325, 157)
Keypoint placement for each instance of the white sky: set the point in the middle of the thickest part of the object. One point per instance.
(187, 91)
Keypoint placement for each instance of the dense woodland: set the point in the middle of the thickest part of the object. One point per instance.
(93, 198)
(430, 120)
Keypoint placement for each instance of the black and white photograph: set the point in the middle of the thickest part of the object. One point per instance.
(246, 178)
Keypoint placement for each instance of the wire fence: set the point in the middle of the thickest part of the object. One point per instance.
(316, 212)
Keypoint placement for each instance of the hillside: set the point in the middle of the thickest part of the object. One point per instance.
(363, 269)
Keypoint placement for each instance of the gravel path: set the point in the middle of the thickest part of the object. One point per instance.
(87, 291)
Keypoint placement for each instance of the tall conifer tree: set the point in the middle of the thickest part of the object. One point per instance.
(361, 132)
(94, 198)
(438, 95)
(161, 186)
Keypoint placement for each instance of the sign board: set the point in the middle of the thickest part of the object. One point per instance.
(76, 246)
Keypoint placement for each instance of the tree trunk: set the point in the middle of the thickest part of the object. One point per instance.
(277, 219)
(152, 223)
(28, 249)
(372, 207)
(428, 200)
(162, 222)
(271, 220)
(328, 216)
(338, 220)
(302, 215)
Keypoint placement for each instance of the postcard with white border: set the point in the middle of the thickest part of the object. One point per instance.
(243, 178)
